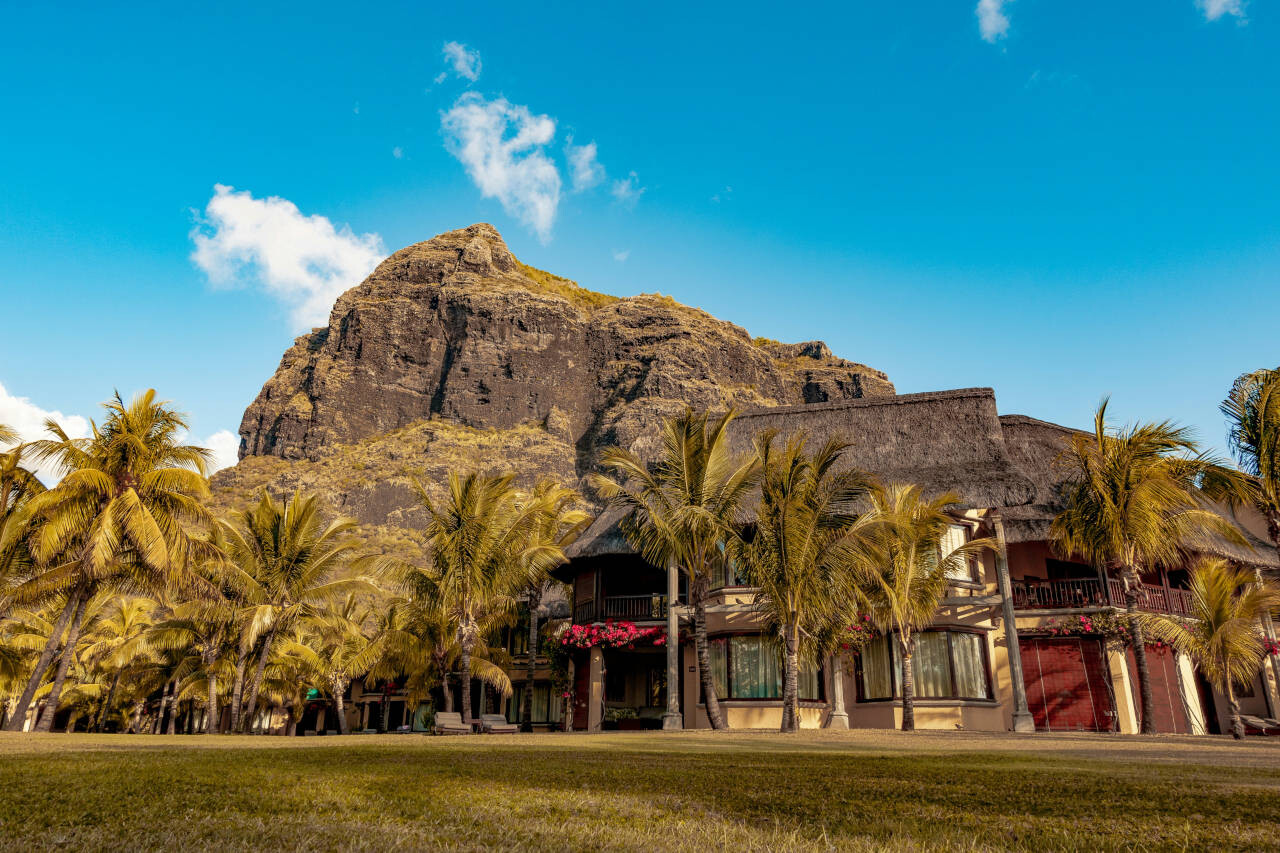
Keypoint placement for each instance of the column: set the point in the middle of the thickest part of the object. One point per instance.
(839, 718)
(1022, 720)
(595, 690)
(672, 720)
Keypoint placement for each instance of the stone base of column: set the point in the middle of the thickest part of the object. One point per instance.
(672, 722)
(1023, 722)
(837, 721)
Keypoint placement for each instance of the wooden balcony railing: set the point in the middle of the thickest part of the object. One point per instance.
(631, 608)
(1089, 592)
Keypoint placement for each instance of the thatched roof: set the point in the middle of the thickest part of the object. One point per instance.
(944, 441)
(603, 537)
(1035, 446)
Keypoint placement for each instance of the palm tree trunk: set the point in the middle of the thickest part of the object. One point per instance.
(1147, 723)
(71, 722)
(908, 647)
(158, 722)
(237, 689)
(19, 717)
(791, 680)
(172, 728)
(256, 687)
(712, 702)
(338, 689)
(211, 716)
(135, 721)
(531, 664)
(1233, 708)
(106, 706)
(464, 668)
(45, 724)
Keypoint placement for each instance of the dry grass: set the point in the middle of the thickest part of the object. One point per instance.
(690, 791)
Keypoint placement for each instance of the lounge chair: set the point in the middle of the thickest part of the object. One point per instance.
(1259, 725)
(450, 723)
(496, 724)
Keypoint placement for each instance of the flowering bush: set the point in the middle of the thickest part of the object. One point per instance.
(615, 635)
(1113, 626)
(856, 635)
(1271, 646)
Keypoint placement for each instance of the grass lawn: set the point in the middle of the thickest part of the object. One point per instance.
(860, 790)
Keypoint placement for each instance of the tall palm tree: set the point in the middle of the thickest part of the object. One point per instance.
(902, 573)
(113, 646)
(684, 509)
(295, 560)
(335, 647)
(798, 552)
(484, 544)
(559, 524)
(119, 517)
(1134, 503)
(1223, 638)
(1253, 419)
(18, 485)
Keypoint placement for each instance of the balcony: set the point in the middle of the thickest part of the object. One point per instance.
(630, 608)
(1090, 592)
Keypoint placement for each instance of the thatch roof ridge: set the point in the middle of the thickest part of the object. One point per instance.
(867, 402)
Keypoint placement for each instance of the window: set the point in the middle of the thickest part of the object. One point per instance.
(546, 705)
(749, 666)
(948, 665)
(953, 537)
(726, 574)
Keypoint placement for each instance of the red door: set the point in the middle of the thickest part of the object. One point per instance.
(1166, 698)
(581, 692)
(1066, 684)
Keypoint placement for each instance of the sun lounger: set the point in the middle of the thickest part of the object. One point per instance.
(496, 724)
(1259, 726)
(450, 723)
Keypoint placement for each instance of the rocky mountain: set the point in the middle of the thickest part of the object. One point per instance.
(453, 352)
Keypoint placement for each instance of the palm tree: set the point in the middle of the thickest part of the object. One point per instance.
(119, 517)
(113, 646)
(294, 559)
(1223, 637)
(18, 484)
(683, 510)
(485, 545)
(798, 553)
(901, 571)
(1134, 504)
(558, 524)
(335, 647)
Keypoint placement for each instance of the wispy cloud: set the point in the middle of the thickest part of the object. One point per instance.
(28, 419)
(1215, 9)
(585, 170)
(503, 147)
(627, 191)
(621, 255)
(993, 23)
(305, 261)
(464, 60)
(397, 153)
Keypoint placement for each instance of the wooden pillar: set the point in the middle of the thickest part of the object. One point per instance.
(673, 720)
(1022, 719)
(839, 718)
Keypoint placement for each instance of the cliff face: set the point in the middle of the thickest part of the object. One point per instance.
(455, 332)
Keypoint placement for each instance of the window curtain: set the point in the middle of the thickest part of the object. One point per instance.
(932, 665)
(810, 682)
(955, 536)
(875, 670)
(719, 666)
(971, 670)
(757, 670)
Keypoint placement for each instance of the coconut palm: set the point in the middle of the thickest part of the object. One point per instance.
(1223, 638)
(798, 552)
(901, 571)
(119, 518)
(1253, 419)
(559, 524)
(113, 645)
(294, 559)
(485, 544)
(684, 509)
(335, 647)
(18, 484)
(1134, 504)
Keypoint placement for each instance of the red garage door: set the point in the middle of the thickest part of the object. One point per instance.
(1066, 684)
(1168, 709)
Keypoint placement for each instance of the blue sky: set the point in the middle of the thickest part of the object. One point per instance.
(1058, 200)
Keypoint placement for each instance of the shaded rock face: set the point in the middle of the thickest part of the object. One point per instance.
(457, 330)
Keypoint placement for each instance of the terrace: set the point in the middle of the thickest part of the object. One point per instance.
(1083, 593)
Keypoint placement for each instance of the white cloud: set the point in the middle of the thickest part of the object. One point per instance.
(1215, 9)
(585, 170)
(465, 61)
(628, 190)
(28, 420)
(620, 255)
(397, 153)
(226, 449)
(440, 78)
(503, 147)
(304, 261)
(993, 23)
